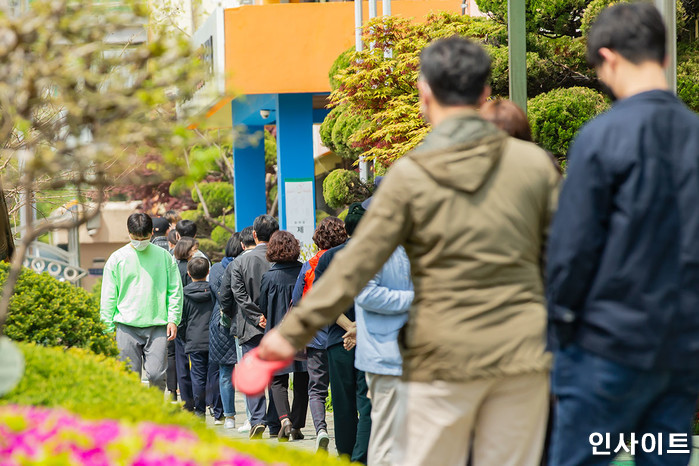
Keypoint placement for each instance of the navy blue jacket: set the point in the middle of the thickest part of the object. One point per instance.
(335, 332)
(623, 255)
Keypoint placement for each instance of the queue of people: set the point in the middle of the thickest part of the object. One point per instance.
(450, 311)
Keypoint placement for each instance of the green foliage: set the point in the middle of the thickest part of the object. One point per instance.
(326, 128)
(46, 311)
(193, 215)
(218, 196)
(211, 248)
(556, 116)
(179, 187)
(342, 62)
(346, 126)
(592, 12)
(553, 17)
(343, 214)
(542, 75)
(688, 76)
(342, 187)
(98, 387)
(270, 150)
(220, 235)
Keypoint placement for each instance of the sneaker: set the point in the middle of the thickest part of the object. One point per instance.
(230, 423)
(246, 427)
(219, 421)
(322, 440)
(285, 430)
(296, 434)
(257, 431)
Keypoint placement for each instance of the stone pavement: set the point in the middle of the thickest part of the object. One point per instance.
(308, 443)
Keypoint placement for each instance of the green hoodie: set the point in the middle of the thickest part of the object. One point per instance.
(141, 288)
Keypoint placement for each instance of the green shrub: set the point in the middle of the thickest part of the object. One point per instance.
(204, 228)
(179, 187)
(592, 12)
(688, 76)
(270, 150)
(326, 128)
(556, 116)
(46, 311)
(211, 248)
(218, 196)
(220, 235)
(343, 214)
(342, 187)
(340, 63)
(98, 387)
(541, 76)
(554, 17)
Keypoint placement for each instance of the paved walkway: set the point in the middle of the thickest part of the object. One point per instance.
(308, 443)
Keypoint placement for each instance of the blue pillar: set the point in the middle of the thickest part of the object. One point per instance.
(249, 172)
(295, 165)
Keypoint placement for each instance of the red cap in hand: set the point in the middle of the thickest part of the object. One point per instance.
(252, 375)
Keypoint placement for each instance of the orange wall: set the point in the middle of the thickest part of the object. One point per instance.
(287, 48)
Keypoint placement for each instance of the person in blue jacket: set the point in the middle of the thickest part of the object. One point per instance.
(623, 260)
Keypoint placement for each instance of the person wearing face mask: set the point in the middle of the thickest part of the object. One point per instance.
(142, 300)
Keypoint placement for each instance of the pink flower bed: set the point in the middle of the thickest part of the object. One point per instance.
(31, 435)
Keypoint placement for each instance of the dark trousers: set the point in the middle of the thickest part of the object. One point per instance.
(199, 373)
(598, 396)
(184, 379)
(213, 390)
(318, 382)
(259, 413)
(171, 369)
(280, 395)
(351, 407)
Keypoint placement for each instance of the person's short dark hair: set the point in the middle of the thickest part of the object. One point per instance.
(233, 247)
(140, 225)
(198, 268)
(246, 237)
(265, 226)
(173, 237)
(172, 216)
(634, 30)
(283, 247)
(507, 116)
(184, 248)
(456, 69)
(160, 226)
(186, 228)
(355, 212)
(330, 233)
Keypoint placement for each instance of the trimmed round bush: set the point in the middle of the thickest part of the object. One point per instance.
(688, 79)
(179, 187)
(326, 128)
(556, 116)
(340, 63)
(218, 196)
(592, 12)
(342, 187)
(49, 312)
(220, 235)
(270, 150)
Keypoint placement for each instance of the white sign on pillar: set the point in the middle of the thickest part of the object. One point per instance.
(300, 214)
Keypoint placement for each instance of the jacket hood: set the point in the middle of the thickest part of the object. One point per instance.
(461, 152)
(225, 262)
(198, 291)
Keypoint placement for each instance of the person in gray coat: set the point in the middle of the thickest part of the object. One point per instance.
(246, 279)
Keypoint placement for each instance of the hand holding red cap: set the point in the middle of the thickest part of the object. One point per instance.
(252, 375)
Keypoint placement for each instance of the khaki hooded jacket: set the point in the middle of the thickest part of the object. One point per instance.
(472, 207)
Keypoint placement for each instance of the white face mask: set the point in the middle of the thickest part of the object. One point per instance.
(139, 245)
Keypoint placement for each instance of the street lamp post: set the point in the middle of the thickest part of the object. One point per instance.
(668, 8)
(517, 50)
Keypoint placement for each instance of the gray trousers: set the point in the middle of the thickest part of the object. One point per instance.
(144, 347)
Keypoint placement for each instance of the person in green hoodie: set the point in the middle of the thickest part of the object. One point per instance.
(142, 299)
(471, 206)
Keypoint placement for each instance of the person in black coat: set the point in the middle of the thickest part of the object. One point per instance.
(222, 348)
(275, 297)
(196, 315)
(183, 252)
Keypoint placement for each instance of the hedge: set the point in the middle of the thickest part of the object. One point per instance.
(342, 187)
(556, 116)
(218, 196)
(95, 387)
(220, 235)
(49, 312)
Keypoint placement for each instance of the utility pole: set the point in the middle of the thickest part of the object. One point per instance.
(668, 9)
(517, 50)
(359, 46)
